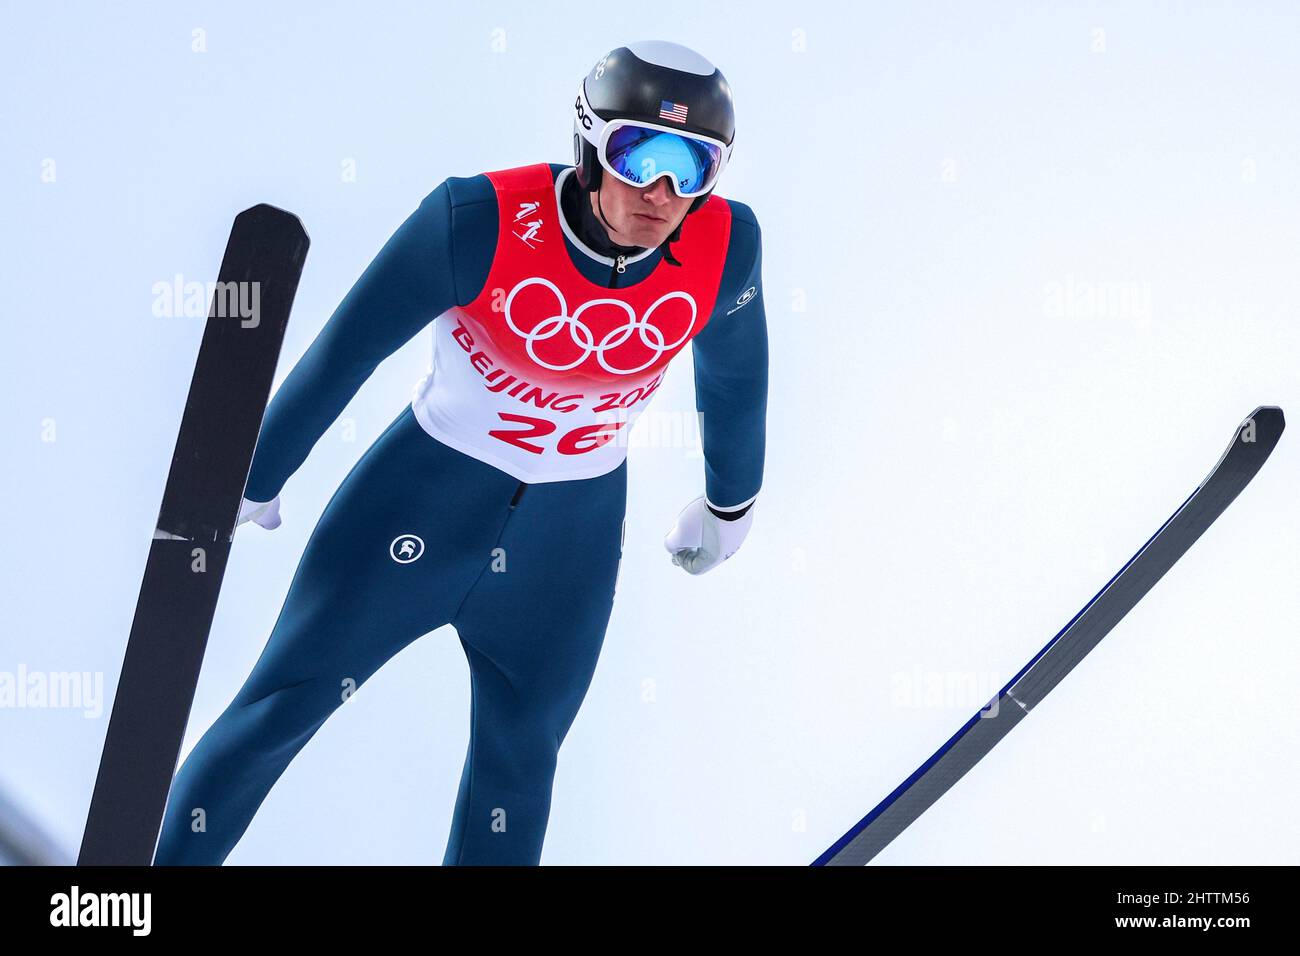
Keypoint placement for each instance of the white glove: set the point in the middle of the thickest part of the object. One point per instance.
(263, 513)
(700, 540)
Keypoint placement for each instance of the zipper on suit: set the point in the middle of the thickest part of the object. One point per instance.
(519, 493)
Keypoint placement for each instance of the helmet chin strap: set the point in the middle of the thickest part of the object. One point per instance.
(672, 236)
(601, 210)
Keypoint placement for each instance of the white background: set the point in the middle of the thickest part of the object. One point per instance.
(963, 445)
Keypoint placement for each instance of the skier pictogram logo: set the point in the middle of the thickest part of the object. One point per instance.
(532, 226)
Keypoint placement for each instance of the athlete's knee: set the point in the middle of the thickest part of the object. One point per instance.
(281, 717)
(521, 746)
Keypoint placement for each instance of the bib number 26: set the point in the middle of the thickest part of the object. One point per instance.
(576, 442)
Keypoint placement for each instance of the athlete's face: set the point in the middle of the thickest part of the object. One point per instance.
(639, 215)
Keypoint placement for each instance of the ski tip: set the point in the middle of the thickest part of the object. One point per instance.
(1268, 418)
(264, 214)
(1257, 436)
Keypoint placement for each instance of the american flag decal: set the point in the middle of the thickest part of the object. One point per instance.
(673, 112)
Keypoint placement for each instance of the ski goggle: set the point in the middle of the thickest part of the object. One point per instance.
(639, 153)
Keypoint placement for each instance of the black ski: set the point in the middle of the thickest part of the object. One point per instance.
(1250, 448)
(182, 578)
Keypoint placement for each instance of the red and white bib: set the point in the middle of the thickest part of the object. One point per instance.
(544, 372)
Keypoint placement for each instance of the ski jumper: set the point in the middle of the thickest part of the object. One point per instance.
(494, 502)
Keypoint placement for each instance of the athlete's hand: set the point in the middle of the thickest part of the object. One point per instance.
(700, 540)
(263, 513)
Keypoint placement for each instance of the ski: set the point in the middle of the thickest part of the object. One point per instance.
(1251, 445)
(187, 558)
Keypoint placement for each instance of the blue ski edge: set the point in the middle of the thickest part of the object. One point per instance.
(903, 787)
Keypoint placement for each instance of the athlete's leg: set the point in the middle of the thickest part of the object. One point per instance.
(532, 628)
(355, 601)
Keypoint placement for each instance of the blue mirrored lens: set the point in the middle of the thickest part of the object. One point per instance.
(642, 155)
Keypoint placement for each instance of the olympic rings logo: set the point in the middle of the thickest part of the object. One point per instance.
(651, 336)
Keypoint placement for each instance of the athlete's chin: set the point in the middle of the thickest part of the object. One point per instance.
(645, 232)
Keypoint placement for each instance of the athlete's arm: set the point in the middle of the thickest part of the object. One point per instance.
(731, 375)
(409, 283)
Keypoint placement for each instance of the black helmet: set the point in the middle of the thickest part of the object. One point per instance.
(660, 86)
